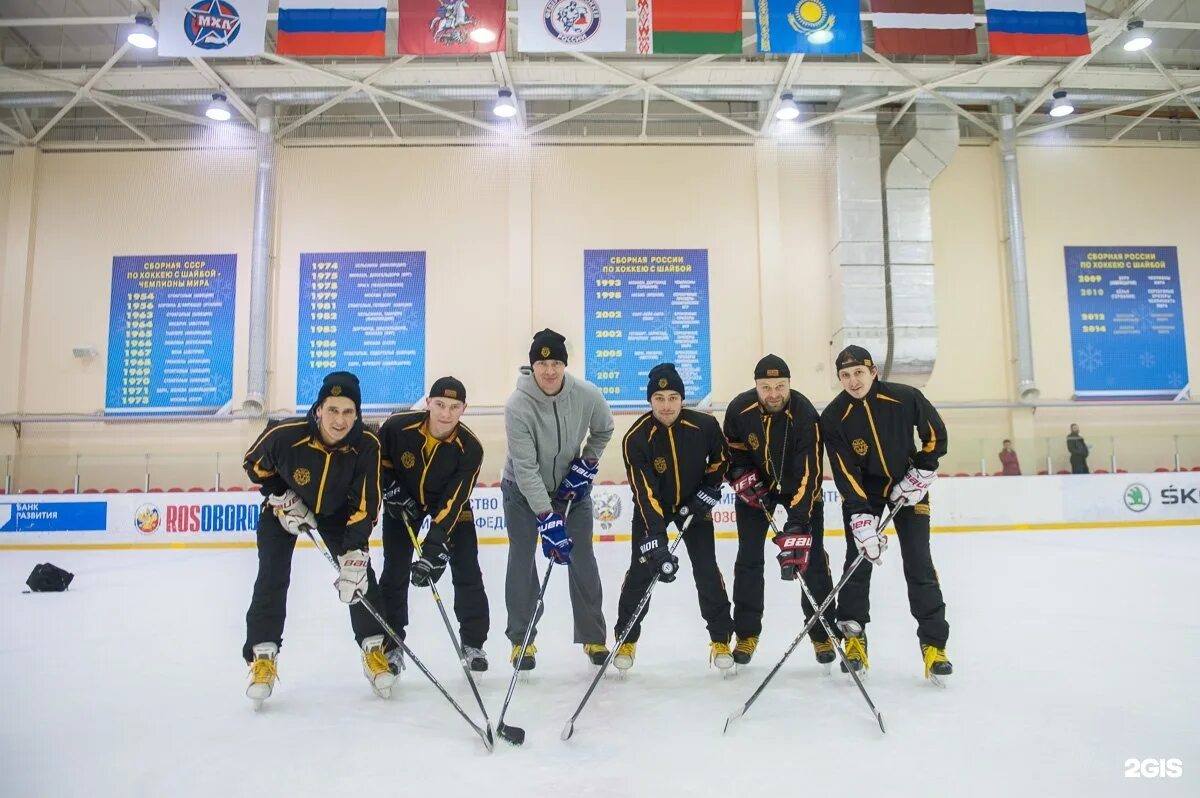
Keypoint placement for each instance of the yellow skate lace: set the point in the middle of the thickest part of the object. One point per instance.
(933, 654)
(823, 646)
(530, 650)
(376, 661)
(856, 649)
(595, 648)
(262, 671)
(627, 650)
(747, 645)
(716, 649)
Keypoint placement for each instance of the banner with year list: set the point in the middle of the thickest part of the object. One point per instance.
(1126, 311)
(643, 307)
(363, 312)
(170, 334)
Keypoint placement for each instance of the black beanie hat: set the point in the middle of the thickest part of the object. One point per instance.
(548, 345)
(448, 388)
(341, 383)
(664, 377)
(771, 367)
(853, 356)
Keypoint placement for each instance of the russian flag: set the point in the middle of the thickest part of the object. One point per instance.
(1037, 27)
(332, 27)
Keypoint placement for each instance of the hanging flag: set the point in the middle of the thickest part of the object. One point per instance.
(820, 27)
(332, 27)
(1037, 27)
(591, 26)
(924, 27)
(212, 28)
(689, 26)
(451, 27)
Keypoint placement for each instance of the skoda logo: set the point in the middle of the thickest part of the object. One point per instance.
(1137, 497)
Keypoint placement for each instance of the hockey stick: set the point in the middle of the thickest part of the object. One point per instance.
(387, 627)
(515, 734)
(832, 638)
(462, 657)
(569, 728)
(809, 625)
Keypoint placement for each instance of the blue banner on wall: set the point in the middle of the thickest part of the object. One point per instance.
(363, 312)
(643, 307)
(1126, 309)
(40, 516)
(170, 334)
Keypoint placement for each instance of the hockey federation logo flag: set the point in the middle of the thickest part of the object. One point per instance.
(212, 28)
(594, 26)
(451, 27)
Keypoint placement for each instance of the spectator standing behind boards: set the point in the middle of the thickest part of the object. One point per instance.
(1078, 449)
(1010, 466)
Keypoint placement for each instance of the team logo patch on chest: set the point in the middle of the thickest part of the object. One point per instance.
(860, 446)
(301, 476)
(660, 465)
(408, 460)
(752, 441)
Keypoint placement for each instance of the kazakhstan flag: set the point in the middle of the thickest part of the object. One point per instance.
(820, 27)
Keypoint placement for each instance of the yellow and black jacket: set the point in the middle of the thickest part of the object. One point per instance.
(439, 475)
(785, 447)
(667, 465)
(339, 484)
(870, 441)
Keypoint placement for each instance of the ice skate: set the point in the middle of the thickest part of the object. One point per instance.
(395, 659)
(527, 662)
(743, 652)
(720, 656)
(263, 674)
(856, 647)
(476, 658)
(937, 667)
(376, 666)
(823, 650)
(596, 653)
(623, 661)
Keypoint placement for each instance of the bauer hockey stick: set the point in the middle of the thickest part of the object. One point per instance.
(832, 638)
(515, 734)
(569, 728)
(486, 736)
(809, 625)
(462, 657)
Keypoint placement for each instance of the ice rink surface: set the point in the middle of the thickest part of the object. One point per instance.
(1074, 652)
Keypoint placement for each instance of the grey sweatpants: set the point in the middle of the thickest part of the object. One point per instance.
(525, 569)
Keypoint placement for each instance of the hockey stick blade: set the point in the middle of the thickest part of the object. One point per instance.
(732, 717)
(511, 734)
(568, 730)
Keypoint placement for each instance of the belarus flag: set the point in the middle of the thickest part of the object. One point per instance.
(1037, 27)
(924, 27)
(332, 27)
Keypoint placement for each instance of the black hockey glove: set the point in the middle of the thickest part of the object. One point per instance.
(701, 504)
(398, 504)
(657, 554)
(435, 556)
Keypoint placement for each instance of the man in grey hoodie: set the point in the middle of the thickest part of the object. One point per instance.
(557, 427)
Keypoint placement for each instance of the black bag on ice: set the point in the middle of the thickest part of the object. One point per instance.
(47, 578)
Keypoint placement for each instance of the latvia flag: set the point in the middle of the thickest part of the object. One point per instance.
(924, 27)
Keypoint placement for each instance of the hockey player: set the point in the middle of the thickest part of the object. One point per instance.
(430, 463)
(557, 427)
(675, 459)
(775, 448)
(319, 472)
(868, 430)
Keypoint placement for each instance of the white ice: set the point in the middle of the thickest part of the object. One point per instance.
(1074, 652)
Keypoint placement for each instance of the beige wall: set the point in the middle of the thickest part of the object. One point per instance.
(496, 220)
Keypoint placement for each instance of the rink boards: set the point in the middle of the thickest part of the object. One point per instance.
(960, 504)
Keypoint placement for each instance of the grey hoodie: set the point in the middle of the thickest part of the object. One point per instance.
(545, 433)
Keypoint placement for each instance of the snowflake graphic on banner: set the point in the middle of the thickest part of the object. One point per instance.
(1175, 379)
(1090, 358)
(1147, 360)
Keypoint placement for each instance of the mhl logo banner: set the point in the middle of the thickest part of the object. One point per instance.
(643, 307)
